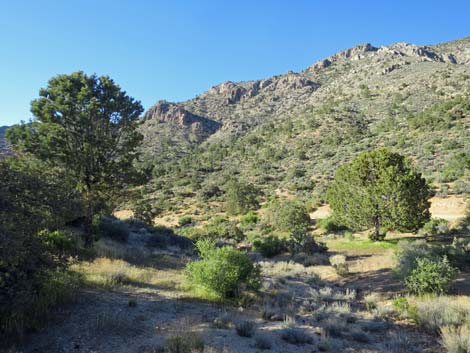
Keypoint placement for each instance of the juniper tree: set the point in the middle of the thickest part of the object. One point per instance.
(380, 190)
(86, 125)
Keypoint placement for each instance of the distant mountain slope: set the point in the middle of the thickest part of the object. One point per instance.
(293, 130)
(401, 68)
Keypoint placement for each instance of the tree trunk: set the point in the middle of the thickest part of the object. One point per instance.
(88, 226)
(376, 231)
(88, 236)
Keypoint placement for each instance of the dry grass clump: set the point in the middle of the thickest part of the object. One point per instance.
(108, 272)
(339, 264)
(117, 323)
(434, 313)
(371, 300)
(456, 339)
(296, 336)
(185, 343)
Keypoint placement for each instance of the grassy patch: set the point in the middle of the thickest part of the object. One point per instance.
(109, 273)
(361, 245)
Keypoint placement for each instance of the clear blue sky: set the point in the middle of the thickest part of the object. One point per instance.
(174, 50)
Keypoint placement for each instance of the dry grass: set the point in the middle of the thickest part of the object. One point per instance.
(456, 340)
(109, 272)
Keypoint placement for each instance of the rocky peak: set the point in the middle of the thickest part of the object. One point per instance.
(230, 91)
(355, 53)
(423, 53)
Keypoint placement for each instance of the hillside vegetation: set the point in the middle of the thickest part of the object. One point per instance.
(319, 211)
(287, 134)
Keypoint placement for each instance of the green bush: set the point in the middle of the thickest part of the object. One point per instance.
(300, 241)
(59, 242)
(330, 225)
(407, 254)
(430, 276)
(219, 228)
(224, 271)
(185, 220)
(289, 216)
(270, 246)
(249, 219)
(143, 211)
(241, 197)
(435, 226)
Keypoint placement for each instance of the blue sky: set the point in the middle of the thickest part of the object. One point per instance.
(174, 50)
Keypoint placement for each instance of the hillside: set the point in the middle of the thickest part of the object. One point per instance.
(288, 133)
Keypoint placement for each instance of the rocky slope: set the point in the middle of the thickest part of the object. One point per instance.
(233, 108)
(287, 134)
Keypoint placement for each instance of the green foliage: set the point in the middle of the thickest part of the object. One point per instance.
(88, 126)
(185, 220)
(219, 228)
(143, 211)
(435, 226)
(270, 246)
(330, 225)
(288, 216)
(31, 199)
(455, 168)
(430, 276)
(301, 241)
(442, 115)
(225, 271)
(241, 197)
(379, 190)
(250, 219)
(407, 254)
(59, 242)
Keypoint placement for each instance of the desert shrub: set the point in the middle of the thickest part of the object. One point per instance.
(456, 339)
(209, 191)
(219, 228)
(456, 167)
(339, 264)
(185, 220)
(59, 242)
(459, 252)
(245, 328)
(114, 229)
(407, 254)
(143, 211)
(270, 246)
(430, 276)
(223, 321)
(433, 313)
(263, 342)
(32, 198)
(225, 271)
(249, 219)
(435, 226)
(330, 225)
(296, 336)
(289, 216)
(185, 343)
(300, 241)
(241, 197)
